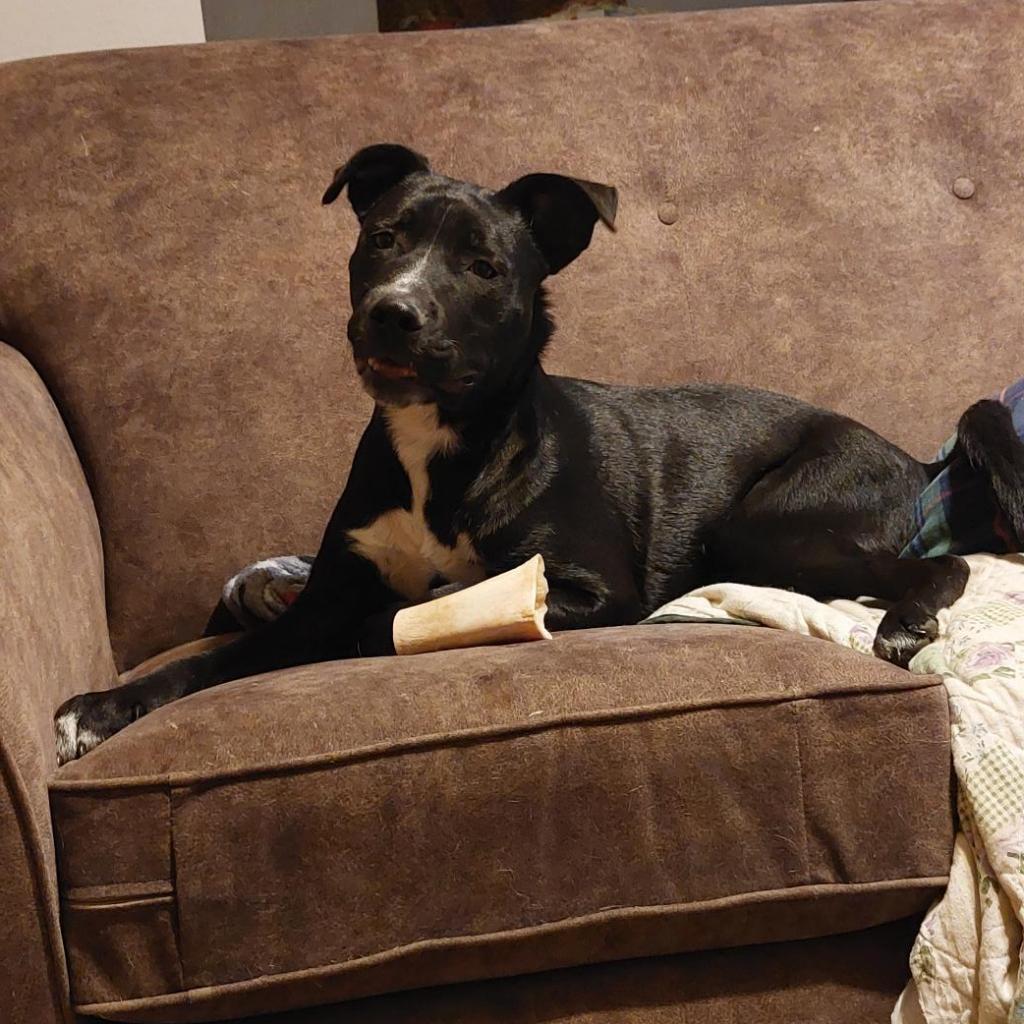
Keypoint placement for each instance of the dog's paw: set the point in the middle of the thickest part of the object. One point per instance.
(905, 630)
(85, 721)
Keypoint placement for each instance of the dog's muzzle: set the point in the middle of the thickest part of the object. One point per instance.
(401, 354)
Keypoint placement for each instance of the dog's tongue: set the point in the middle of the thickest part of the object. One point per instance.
(393, 371)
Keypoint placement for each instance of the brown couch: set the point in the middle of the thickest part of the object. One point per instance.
(650, 824)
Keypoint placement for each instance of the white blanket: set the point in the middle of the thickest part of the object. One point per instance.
(965, 964)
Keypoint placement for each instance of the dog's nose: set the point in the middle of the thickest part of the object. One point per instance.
(402, 313)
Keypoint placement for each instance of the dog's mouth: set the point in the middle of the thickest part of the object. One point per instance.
(399, 381)
(389, 369)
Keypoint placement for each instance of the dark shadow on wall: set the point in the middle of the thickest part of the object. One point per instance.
(272, 19)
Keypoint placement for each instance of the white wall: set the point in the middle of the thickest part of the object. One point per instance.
(34, 28)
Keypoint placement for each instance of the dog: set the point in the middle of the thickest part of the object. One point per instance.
(475, 458)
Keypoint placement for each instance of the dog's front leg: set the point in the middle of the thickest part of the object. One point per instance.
(342, 611)
(580, 599)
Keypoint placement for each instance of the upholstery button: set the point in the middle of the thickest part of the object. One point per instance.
(668, 213)
(963, 188)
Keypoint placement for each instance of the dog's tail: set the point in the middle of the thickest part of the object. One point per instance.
(986, 436)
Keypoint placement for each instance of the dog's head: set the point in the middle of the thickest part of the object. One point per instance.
(446, 276)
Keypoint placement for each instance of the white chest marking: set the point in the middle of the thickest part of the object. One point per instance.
(399, 542)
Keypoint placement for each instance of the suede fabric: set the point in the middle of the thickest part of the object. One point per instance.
(352, 828)
(53, 643)
(787, 219)
(842, 979)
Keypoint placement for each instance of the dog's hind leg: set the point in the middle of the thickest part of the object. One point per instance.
(928, 585)
(828, 522)
(827, 563)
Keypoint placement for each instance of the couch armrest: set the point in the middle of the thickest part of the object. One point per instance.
(53, 643)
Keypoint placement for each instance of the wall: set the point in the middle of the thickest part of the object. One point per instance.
(270, 19)
(33, 28)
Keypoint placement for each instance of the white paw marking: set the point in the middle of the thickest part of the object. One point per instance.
(72, 741)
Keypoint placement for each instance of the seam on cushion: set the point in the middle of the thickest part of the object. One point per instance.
(795, 716)
(117, 892)
(652, 169)
(484, 734)
(37, 872)
(143, 901)
(172, 861)
(210, 993)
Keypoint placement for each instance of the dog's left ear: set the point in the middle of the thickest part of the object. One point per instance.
(561, 213)
(371, 172)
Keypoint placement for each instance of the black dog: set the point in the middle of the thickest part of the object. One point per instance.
(475, 458)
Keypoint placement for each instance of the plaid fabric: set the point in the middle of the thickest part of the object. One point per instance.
(993, 787)
(957, 513)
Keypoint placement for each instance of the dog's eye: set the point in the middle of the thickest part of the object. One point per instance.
(383, 239)
(483, 269)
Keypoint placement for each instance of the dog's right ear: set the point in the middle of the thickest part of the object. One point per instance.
(371, 172)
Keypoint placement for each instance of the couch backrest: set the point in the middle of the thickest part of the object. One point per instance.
(787, 219)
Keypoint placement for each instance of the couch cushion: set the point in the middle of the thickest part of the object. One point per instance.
(854, 978)
(349, 828)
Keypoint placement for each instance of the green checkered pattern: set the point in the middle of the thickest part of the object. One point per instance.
(995, 788)
(995, 613)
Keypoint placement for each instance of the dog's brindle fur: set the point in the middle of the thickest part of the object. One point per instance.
(475, 458)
